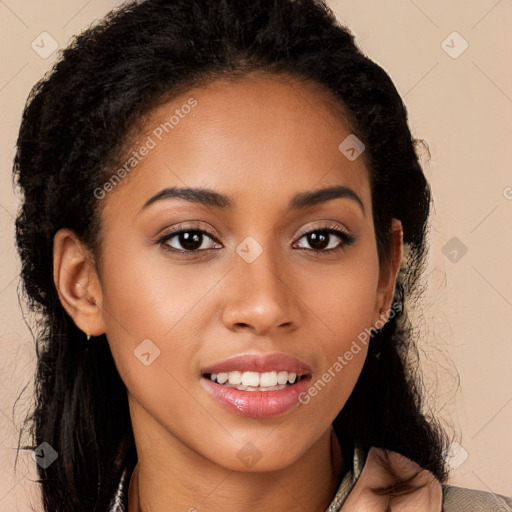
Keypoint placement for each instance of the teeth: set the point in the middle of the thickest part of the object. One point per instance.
(222, 378)
(268, 379)
(235, 378)
(249, 380)
(282, 377)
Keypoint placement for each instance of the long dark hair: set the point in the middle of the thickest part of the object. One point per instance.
(76, 126)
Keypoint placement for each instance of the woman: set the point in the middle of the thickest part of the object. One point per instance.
(223, 228)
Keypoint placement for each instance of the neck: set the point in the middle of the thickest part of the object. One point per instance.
(170, 476)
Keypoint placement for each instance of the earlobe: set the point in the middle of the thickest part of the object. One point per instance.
(389, 273)
(77, 282)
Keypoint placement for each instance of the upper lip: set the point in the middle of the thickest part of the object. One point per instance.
(259, 363)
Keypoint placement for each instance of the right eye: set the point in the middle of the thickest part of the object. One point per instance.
(187, 240)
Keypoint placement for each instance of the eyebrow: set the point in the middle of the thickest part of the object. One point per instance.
(208, 197)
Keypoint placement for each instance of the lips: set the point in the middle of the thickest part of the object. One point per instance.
(260, 364)
(258, 402)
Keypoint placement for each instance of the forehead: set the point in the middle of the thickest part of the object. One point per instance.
(258, 139)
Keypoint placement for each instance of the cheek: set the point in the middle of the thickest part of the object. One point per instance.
(342, 302)
(155, 313)
(152, 307)
(343, 296)
(146, 296)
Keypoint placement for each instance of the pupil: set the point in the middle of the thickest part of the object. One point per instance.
(318, 241)
(190, 240)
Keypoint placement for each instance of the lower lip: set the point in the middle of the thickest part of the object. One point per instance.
(257, 404)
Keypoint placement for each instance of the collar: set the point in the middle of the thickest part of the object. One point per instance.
(377, 485)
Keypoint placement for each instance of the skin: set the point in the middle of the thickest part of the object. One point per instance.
(259, 142)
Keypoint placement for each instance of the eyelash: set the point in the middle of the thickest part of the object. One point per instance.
(346, 239)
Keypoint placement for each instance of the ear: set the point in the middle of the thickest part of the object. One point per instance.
(388, 274)
(77, 282)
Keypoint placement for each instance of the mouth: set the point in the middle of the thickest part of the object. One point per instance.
(255, 381)
(257, 386)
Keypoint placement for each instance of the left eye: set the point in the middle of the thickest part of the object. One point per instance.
(324, 240)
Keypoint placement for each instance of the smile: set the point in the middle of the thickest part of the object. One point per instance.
(254, 381)
(257, 386)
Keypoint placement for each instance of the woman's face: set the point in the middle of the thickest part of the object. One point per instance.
(176, 307)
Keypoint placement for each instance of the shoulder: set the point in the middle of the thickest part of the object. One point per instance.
(461, 499)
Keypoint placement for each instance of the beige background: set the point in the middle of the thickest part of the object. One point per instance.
(462, 108)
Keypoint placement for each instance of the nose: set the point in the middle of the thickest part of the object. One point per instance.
(260, 296)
